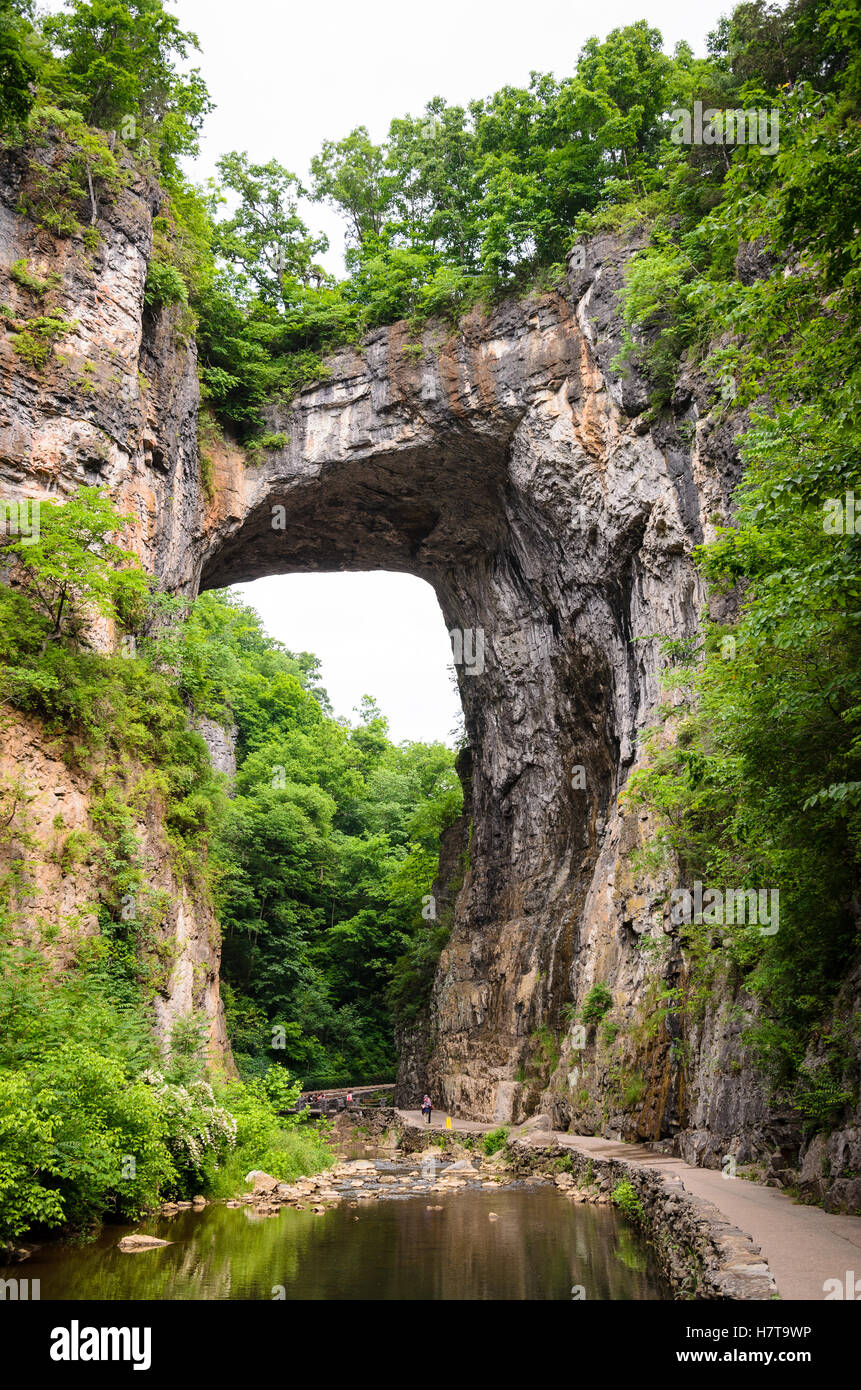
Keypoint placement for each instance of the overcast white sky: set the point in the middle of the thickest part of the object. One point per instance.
(377, 634)
(286, 77)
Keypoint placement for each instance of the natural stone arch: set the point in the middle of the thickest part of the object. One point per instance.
(506, 461)
(500, 465)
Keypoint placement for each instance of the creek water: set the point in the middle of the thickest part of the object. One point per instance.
(540, 1246)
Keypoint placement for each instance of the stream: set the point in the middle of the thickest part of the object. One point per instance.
(514, 1242)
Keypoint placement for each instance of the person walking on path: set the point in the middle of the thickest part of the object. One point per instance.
(426, 1108)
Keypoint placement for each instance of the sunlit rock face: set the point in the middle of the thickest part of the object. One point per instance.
(508, 463)
(115, 405)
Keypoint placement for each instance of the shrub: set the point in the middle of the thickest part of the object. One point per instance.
(20, 272)
(819, 1095)
(625, 1198)
(495, 1140)
(164, 285)
(597, 1003)
(34, 343)
(285, 1147)
(110, 1135)
(89, 1128)
(26, 1158)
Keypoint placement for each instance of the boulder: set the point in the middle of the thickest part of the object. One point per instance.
(132, 1245)
(263, 1182)
(536, 1124)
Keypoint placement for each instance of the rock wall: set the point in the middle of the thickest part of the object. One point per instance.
(509, 464)
(115, 404)
(50, 858)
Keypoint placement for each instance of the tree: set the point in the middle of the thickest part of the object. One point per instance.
(265, 240)
(73, 571)
(18, 61)
(350, 174)
(118, 65)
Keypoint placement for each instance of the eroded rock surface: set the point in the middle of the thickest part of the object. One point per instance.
(510, 465)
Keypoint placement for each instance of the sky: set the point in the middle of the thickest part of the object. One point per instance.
(286, 77)
(377, 634)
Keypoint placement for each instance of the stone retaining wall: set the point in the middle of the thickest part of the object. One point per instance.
(701, 1253)
(368, 1123)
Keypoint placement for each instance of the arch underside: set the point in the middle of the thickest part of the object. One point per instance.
(508, 477)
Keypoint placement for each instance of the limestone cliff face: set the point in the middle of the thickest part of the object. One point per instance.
(50, 850)
(116, 404)
(509, 464)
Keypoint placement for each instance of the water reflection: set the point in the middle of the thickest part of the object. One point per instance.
(539, 1247)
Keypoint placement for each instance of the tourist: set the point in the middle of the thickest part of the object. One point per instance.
(426, 1108)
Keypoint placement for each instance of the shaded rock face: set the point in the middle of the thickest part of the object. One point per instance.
(511, 466)
(221, 743)
(508, 466)
(116, 405)
(413, 1034)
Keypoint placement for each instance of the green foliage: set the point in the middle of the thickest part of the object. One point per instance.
(656, 308)
(633, 1090)
(34, 342)
(73, 569)
(92, 1125)
(545, 1050)
(495, 1139)
(164, 285)
(120, 716)
(284, 1147)
(20, 272)
(119, 65)
(18, 62)
(27, 1155)
(71, 171)
(819, 1095)
(753, 776)
(323, 859)
(624, 1196)
(598, 1002)
(265, 240)
(274, 439)
(325, 852)
(457, 207)
(413, 972)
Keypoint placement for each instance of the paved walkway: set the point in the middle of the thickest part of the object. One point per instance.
(438, 1119)
(804, 1246)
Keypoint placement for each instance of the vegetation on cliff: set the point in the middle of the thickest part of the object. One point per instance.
(751, 278)
(748, 284)
(317, 867)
